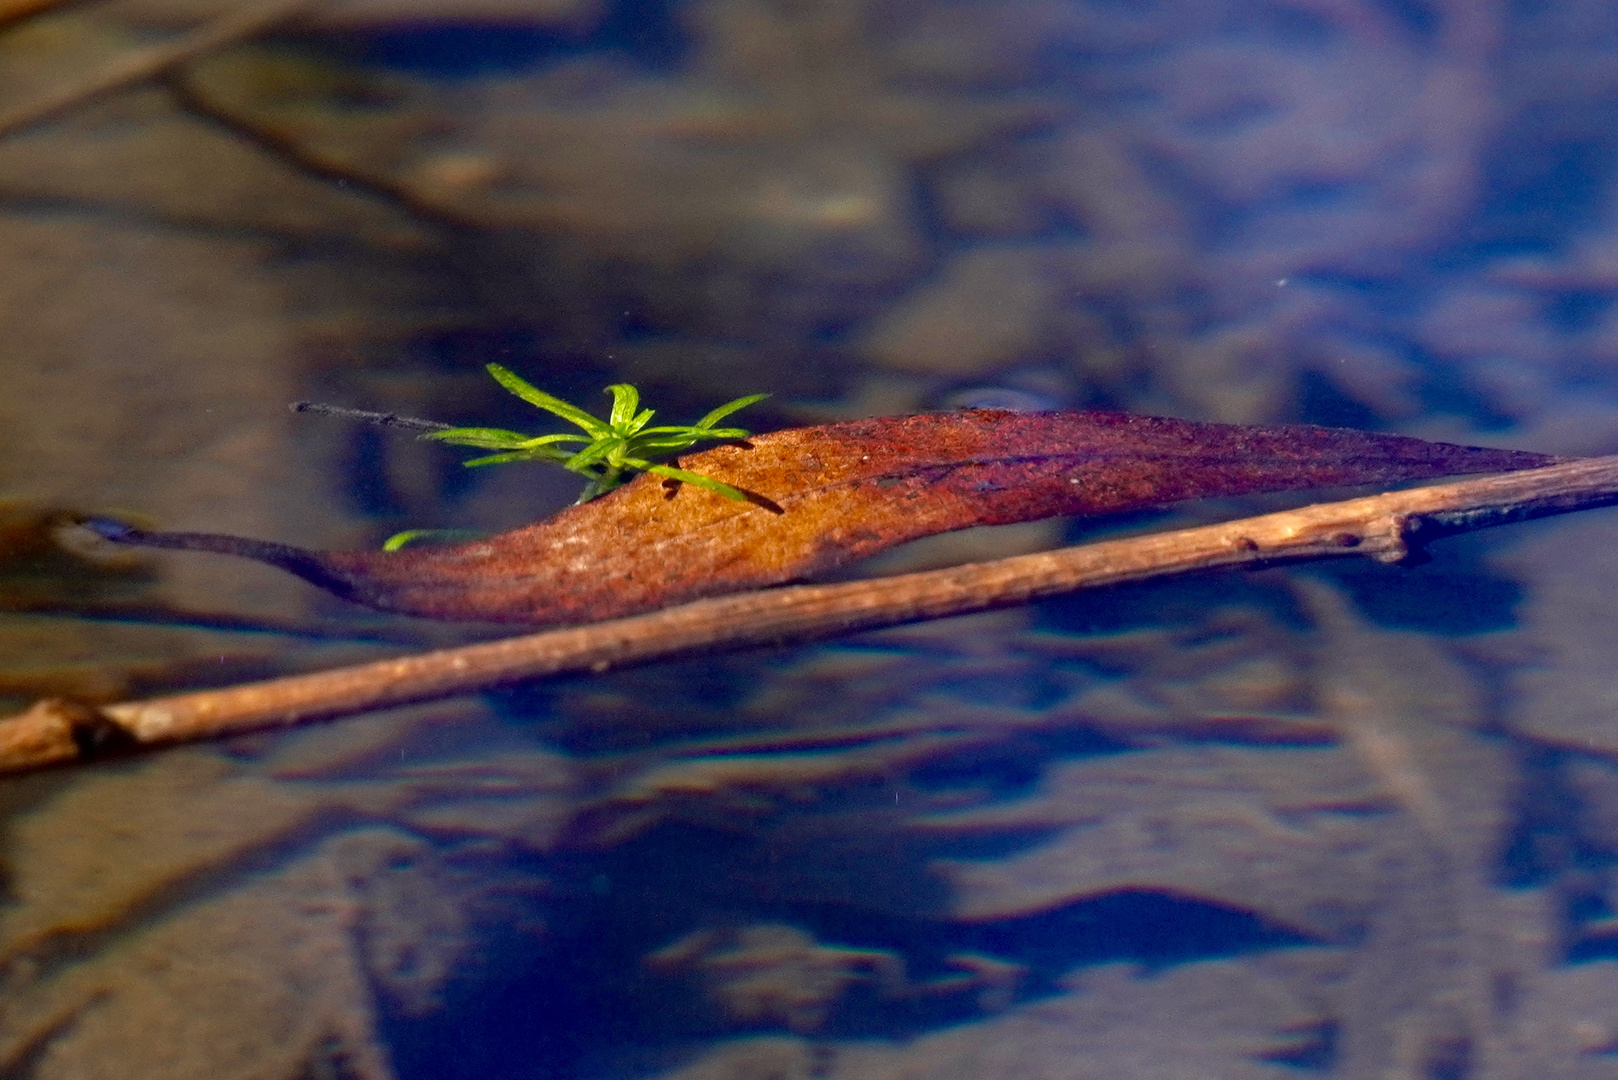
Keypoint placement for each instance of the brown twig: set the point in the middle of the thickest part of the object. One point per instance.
(143, 64)
(1382, 527)
(12, 11)
(313, 161)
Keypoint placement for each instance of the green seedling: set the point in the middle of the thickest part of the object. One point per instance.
(611, 448)
(411, 536)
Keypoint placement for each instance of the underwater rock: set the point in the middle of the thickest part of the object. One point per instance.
(1227, 1019)
(1270, 831)
(1563, 692)
(776, 974)
(123, 402)
(269, 979)
(561, 15)
(986, 309)
(80, 862)
(765, 1057)
(189, 916)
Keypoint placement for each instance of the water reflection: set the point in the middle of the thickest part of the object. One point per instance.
(1354, 823)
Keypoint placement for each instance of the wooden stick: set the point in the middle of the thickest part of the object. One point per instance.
(16, 10)
(1382, 527)
(143, 64)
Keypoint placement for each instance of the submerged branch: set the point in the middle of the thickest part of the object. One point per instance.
(1383, 527)
(13, 11)
(142, 65)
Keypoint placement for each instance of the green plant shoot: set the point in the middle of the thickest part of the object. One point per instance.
(410, 536)
(610, 448)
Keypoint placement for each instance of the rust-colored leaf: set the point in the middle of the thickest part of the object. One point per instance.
(827, 496)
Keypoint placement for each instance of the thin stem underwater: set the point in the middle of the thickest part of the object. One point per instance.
(141, 65)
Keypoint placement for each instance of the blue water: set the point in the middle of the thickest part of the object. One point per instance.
(1383, 215)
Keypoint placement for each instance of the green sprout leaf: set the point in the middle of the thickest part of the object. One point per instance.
(707, 422)
(410, 536)
(609, 448)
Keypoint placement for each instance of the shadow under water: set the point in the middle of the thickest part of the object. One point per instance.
(1358, 822)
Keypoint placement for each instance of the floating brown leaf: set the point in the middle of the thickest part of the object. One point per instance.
(827, 496)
